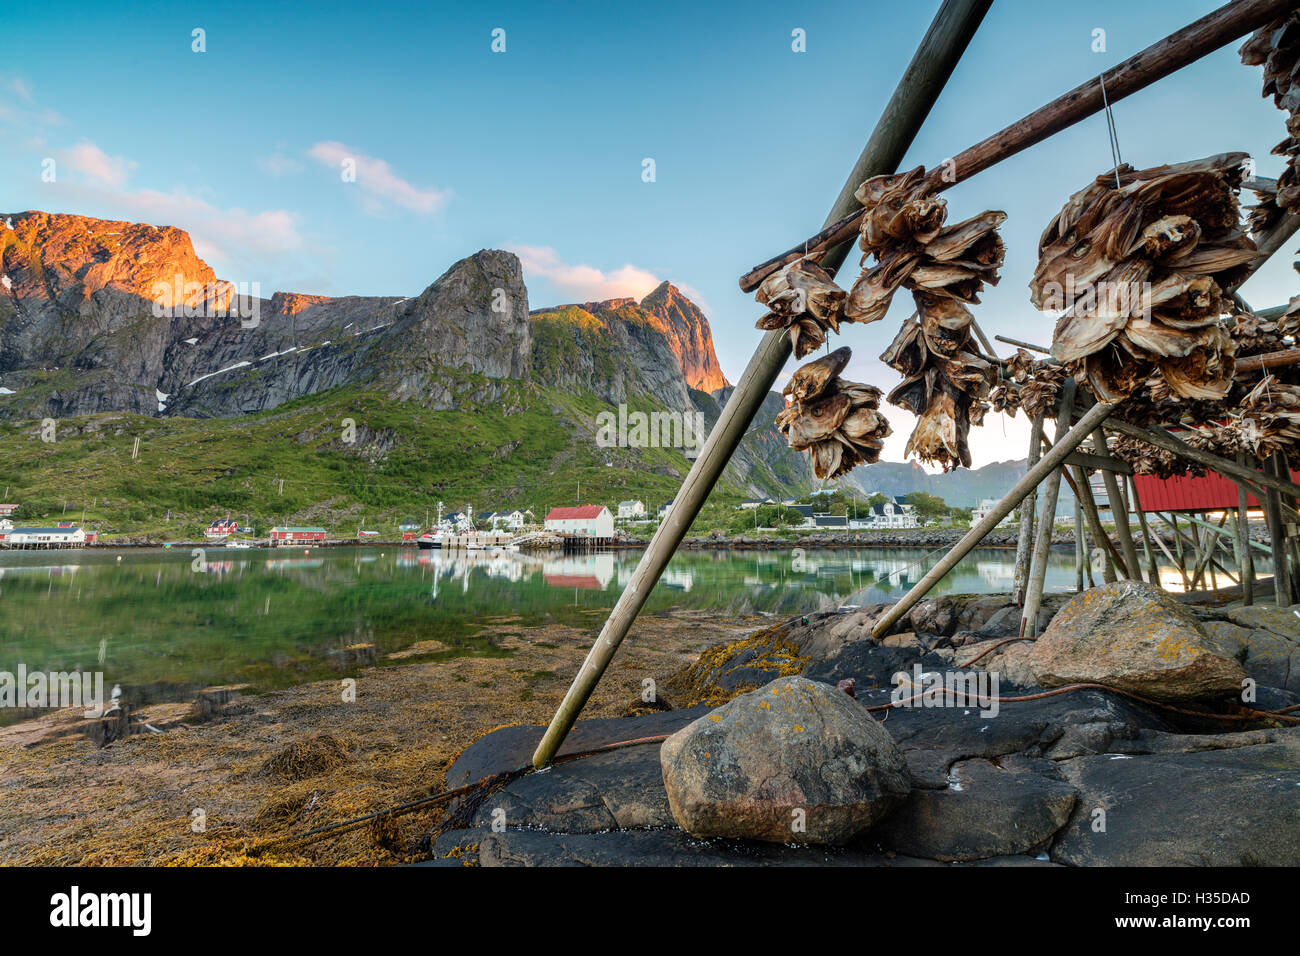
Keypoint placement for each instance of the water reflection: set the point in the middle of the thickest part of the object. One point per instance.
(172, 619)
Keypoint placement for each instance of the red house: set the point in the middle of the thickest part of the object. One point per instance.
(1210, 492)
(297, 535)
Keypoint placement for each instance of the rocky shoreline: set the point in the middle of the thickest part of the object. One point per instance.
(1177, 772)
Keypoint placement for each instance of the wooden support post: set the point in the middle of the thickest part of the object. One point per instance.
(1027, 516)
(1083, 491)
(1118, 510)
(933, 63)
(1277, 541)
(1048, 465)
(1153, 571)
(1287, 503)
(1079, 555)
(1047, 519)
(1243, 536)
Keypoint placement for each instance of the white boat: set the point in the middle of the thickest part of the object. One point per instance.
(240, 543)
(430, 539)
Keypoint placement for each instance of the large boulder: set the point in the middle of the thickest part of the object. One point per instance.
(1133, 636)
(795, 761)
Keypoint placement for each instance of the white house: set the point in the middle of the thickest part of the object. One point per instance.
(631, 509)
(510, 520)
(981, 512)
(664, 510)
(43, 537)
(591, 520)
(891, 514)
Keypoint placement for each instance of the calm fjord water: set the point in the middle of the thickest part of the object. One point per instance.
(165, 622)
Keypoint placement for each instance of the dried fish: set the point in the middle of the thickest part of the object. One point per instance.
(813, 379)
(1276, 47)
(1141, 270)
(805, 301)
(837, 422)
(946, 382)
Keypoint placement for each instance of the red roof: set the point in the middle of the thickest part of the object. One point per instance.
(582, 511)
(1210, 492)
(587, 581)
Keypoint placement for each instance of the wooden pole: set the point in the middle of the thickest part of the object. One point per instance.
(1047, 465)
(1027, 515)
(933, 63)
(1243, 536)
(1047, 519)
(1118, 510)
(1277, 541)
(1153, 571)
(1185, 46)
(1083, 490)
(1078, 549)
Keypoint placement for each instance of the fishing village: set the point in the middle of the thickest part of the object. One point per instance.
(775, 648)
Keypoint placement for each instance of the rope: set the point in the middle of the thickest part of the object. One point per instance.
(1111, 131)
(990, 650)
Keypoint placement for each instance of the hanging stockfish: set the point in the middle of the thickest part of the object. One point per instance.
(1017, 371)
(903, 228)
(837, 422)
(1141, 270)
(1269, 419)
(1039, 395)
(804, 300)
(946, 381)
(1276, 47)
(1149, 460)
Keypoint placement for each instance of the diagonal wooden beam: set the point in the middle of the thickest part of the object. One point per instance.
(925, 77)
(1185, 46)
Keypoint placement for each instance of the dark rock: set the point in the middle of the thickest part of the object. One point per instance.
(1231, 807)
(984, 811)
(1017, 727)
(621, 789)
(870, 665)
(659, 847)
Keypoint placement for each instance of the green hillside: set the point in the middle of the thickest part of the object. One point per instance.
(530, 447)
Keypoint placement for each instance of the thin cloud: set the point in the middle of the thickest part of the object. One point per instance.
(96, 165)
(377, 180)
(277, 164)
(583, 282)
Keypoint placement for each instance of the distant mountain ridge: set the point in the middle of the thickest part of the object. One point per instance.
(80, 334)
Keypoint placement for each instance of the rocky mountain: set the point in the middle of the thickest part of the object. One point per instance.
(963, 488)
(105, 316)
(688, 335)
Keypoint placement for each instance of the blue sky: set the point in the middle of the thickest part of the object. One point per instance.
(539, 149)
